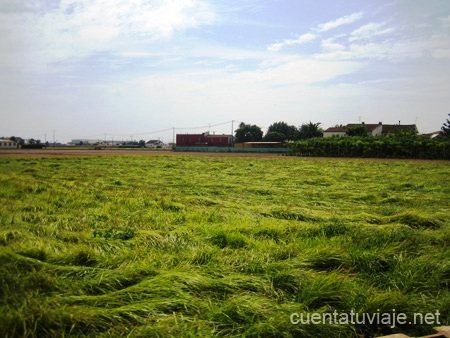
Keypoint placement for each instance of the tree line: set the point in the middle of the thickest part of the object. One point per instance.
(277, 132)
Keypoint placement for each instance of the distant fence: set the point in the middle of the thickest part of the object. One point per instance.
(234, 150)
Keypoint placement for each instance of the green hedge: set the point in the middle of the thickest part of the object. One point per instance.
(404, 146)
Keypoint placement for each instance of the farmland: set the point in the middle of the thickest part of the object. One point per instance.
(188, 245)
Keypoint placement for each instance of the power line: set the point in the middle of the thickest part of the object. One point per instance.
(106, 135)
(169, 129)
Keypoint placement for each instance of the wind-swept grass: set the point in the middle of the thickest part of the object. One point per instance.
(171, 246)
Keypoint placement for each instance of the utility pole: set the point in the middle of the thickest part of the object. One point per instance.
(173, 137)
(54, 138)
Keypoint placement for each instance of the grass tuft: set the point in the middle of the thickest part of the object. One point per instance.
(415, 220)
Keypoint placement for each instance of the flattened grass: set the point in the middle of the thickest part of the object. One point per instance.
(219, 246)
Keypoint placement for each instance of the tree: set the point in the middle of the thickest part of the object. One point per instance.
(248, 133)
(357, 131)
(446, 128)
(310, 130)
(32, 141)
(19, 140)
(274, 137)
(142, 143)
(290, 132)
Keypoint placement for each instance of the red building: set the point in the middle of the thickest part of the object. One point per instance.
(204, 140)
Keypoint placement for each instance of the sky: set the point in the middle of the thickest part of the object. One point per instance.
(137, 69)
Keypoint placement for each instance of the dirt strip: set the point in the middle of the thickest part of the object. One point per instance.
(117, 152)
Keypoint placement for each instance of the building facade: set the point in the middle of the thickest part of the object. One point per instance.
(7, 144)
(204, 140)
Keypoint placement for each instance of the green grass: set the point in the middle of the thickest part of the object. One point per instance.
(169, 246)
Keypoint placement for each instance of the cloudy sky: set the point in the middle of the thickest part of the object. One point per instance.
(133, 68)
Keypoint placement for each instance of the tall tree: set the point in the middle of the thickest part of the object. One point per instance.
(446, 128)
(248, 133)
(310, 130)
(290, 132)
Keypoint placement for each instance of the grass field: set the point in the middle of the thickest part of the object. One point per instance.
(201, 246)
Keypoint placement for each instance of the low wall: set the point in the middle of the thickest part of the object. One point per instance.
(234, 150)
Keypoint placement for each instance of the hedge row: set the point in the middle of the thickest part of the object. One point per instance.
(409, 146)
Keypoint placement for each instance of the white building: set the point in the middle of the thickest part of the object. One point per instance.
(335, 131)
(7, 144)
(372, 129)
(155, 144)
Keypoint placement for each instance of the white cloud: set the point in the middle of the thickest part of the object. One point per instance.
(369, 31)
(442, 54)
(330, 45)
(12, 6)
(298, 71)
(445, 21)
(155, 19)
(345, 20)
(390, 51)
(375, 41)
(321, 28)
(79, 28)
(289, 42)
